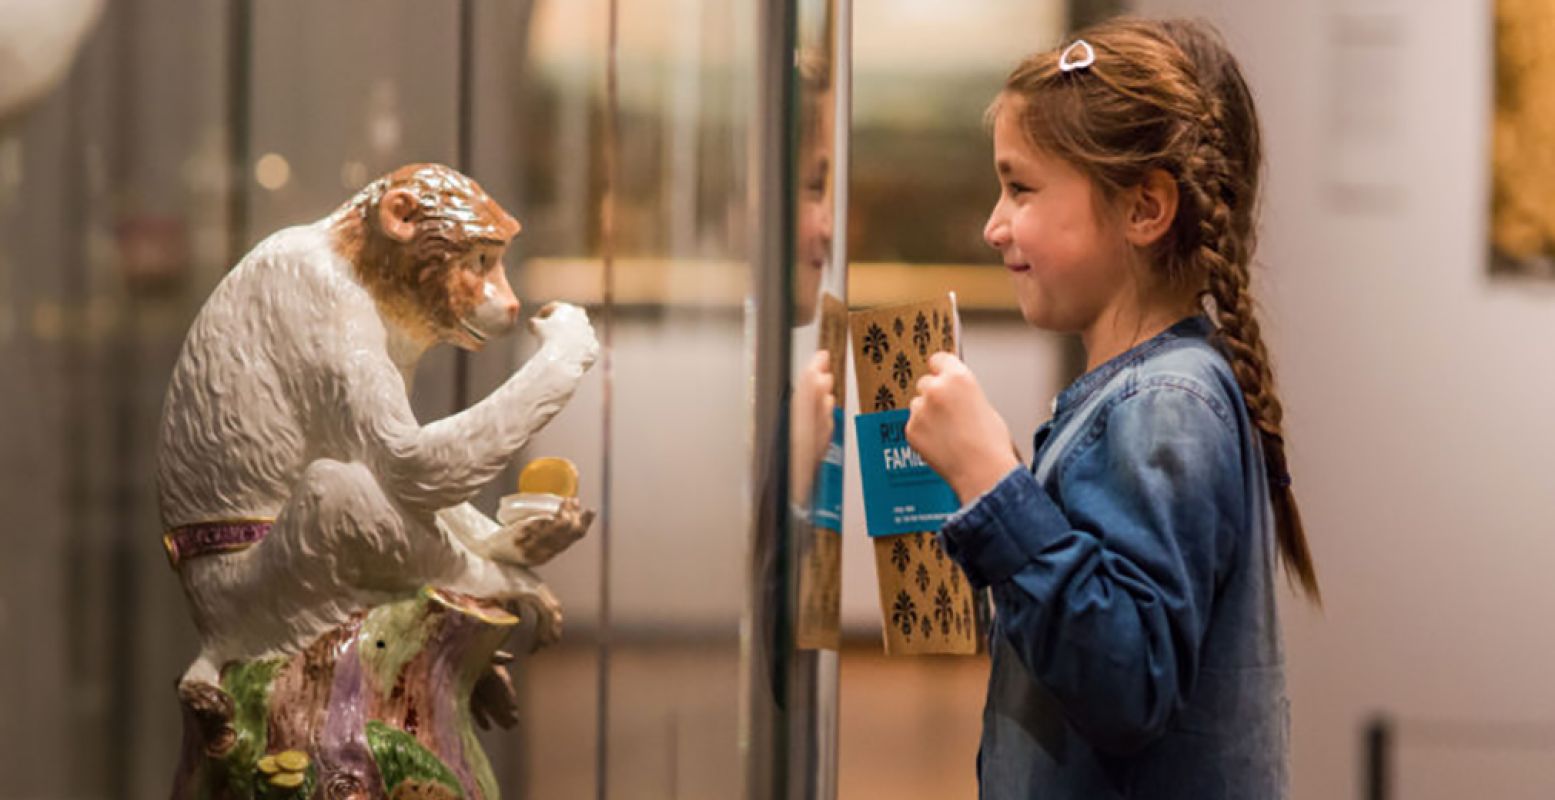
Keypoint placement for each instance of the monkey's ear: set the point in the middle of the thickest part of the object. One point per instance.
(394, 214)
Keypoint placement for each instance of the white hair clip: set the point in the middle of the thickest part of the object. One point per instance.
(1078, 55)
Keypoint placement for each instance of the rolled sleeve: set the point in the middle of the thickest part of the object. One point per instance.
(980, 536)
(1105, 600)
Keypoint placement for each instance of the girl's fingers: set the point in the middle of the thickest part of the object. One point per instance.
(942, 362)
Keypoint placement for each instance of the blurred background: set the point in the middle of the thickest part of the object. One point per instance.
(1405, 275)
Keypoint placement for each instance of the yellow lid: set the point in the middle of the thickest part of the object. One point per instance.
(292, 760)
(288, 780)
(549, 476)
(268, 766)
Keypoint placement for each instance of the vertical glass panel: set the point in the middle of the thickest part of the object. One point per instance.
(819, 310)
(539, 103)
(188, 132)
(339, 94)
(641, 698)
(817, 360)
(921, 187)
(113, 227)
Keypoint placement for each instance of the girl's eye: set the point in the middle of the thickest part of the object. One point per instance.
(1018, 188)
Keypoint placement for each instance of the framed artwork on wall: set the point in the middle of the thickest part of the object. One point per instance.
(1522, 197)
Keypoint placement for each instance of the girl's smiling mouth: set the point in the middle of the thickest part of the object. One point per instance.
(1017, 267)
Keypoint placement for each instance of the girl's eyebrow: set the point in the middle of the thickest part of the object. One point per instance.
(1004, 166)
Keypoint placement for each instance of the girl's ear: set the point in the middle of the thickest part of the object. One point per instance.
(1150, 208)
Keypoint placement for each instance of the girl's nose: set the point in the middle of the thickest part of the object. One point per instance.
(997, 232)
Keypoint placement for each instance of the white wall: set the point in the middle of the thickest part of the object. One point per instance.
(1419, 397)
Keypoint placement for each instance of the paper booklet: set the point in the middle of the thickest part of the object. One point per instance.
(926, 603)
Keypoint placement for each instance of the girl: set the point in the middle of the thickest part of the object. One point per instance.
(1136, 651)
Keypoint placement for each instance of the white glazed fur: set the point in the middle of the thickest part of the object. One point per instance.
(290, 401)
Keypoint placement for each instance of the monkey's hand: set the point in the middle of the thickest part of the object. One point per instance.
(566, 335)
(541, 604)
(536, 540)
(492, 700)
(212, 710)
(520, 590)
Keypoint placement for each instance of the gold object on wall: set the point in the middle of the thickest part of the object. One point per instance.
(1522, 227)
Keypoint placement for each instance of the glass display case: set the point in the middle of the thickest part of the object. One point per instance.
(623, 136)
(680, 168)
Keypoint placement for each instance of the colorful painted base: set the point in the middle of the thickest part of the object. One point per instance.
(377, 707)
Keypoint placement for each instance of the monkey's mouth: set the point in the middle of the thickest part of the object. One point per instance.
(477, 335)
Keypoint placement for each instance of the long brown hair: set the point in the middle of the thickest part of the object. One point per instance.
(1168, 95)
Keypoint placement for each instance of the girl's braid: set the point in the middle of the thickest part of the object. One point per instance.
(1224, 194)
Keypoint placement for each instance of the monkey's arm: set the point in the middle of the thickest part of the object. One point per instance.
(527, 543)
(468, 524)
(445, 463)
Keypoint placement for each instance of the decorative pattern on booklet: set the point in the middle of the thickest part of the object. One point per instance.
(927, 605)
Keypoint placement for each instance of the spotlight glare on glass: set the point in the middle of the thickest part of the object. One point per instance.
(272, 171)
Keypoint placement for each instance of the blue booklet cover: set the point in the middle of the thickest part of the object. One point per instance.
(901, 493)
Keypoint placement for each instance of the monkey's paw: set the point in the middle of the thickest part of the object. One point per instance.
(492, 700)
(541, 605)
(536, 540)
(564, 330)
(212, 711)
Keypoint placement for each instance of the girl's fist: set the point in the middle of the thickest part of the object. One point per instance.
(956, 430)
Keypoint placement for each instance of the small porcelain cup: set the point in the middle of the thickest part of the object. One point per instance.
(526, 506)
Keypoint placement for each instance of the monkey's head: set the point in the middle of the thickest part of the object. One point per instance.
(428, 242)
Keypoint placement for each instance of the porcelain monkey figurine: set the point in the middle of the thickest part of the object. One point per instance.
(302, 498)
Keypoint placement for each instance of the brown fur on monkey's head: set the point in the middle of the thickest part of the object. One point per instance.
(421, 239)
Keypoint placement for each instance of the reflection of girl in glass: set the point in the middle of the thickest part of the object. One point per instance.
(1136, 651)
(808, 428)
(813, 198)
(811, 405)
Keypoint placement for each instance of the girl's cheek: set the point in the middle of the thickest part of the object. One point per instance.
(1028, 229)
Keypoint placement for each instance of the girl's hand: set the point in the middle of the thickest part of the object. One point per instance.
(810, 425)
(957, 431)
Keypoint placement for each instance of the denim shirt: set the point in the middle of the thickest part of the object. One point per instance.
(1135, 649)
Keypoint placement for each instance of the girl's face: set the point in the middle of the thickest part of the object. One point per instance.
(814, 239)
(1068, 263)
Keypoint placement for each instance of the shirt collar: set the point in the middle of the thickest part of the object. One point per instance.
(1084, 386)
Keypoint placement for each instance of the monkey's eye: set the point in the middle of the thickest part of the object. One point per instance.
(485, 262)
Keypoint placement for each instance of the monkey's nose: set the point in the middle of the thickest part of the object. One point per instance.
(512, 309)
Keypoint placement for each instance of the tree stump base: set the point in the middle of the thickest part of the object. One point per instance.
(378, 707)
